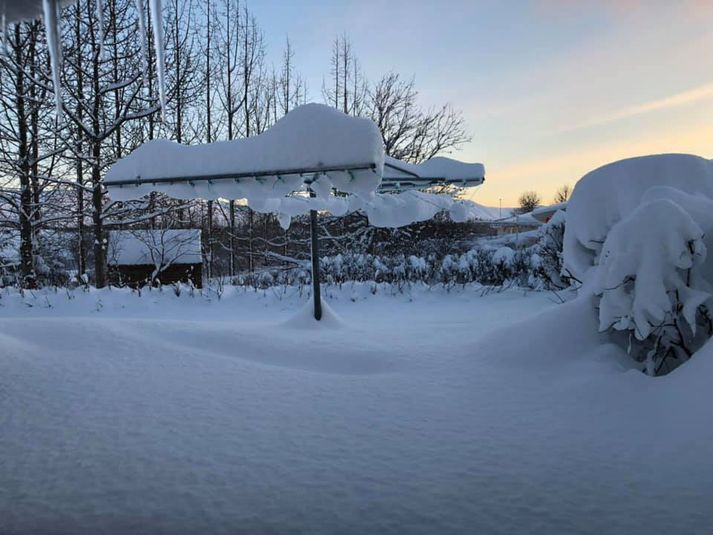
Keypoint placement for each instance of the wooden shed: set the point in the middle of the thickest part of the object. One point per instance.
(164, 256)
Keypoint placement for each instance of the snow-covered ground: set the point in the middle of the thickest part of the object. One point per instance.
(432, 412)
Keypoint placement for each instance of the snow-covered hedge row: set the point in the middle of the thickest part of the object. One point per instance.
(638, 235)
(488, 266)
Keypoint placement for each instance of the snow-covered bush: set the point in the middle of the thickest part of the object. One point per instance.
(652, 283)
(495, 267)
(52, 259)
(638, 235)
(547, 258)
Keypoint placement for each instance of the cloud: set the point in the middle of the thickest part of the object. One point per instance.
(684, 98)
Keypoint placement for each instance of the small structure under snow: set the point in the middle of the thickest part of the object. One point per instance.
(166, 256)
(543, 214)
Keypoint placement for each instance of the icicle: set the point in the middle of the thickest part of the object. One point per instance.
(144, 40)
(50, 9)
(4, 31)
(100, 19)
(157, 23)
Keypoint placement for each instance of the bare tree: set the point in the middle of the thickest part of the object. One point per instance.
(104, 82)
(28, 141)
(292, 89)
(349, 86)
(411, 133)
(563, 194)
(527, 202)
(16, 146)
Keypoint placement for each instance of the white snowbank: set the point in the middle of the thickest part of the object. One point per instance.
(608, 194)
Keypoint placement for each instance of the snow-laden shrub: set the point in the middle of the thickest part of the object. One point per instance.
(546, 257)
(499, 267)
(638, 235)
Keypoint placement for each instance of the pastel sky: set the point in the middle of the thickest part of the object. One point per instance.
(550, 89)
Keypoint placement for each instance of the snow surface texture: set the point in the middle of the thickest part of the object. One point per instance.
(431, 412)
(155, 247)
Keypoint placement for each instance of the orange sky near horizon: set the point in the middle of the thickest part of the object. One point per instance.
(547, 175)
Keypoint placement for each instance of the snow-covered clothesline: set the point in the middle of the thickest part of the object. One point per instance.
(338, 158)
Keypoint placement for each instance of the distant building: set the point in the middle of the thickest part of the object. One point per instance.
(544, 213)
(515, 224)
(165, 256)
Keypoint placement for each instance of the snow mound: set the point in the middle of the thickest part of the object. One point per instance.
(545, 344)
(304, 319)
(637, 236)
(610, 193)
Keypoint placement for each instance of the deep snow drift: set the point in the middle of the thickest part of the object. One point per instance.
(430, 412)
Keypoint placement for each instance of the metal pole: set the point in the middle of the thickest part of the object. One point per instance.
(315, 262)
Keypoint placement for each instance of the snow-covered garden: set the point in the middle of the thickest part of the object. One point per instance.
(225, 309)
(424, 412)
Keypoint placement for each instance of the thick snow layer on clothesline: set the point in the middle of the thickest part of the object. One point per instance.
(439, 167)
(312, 136)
